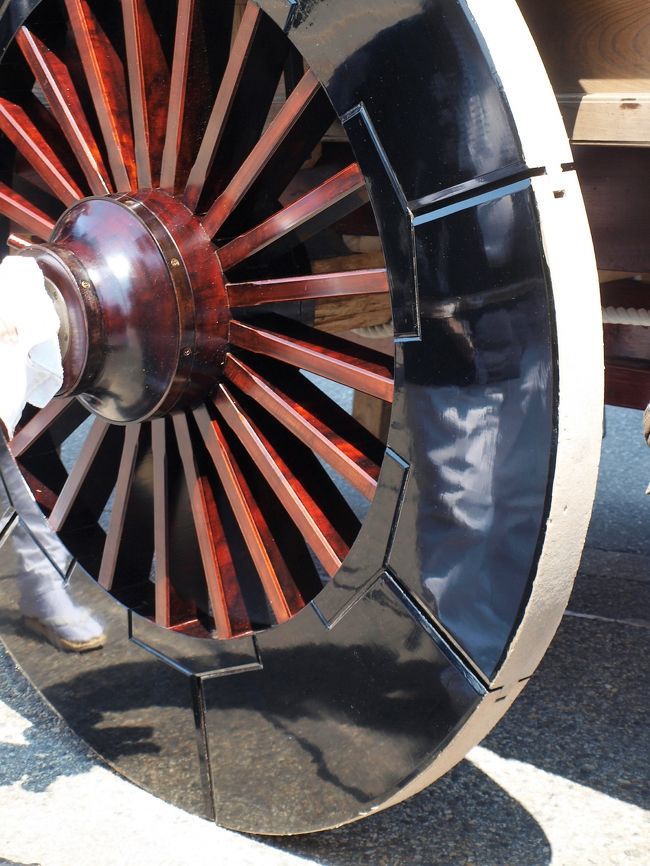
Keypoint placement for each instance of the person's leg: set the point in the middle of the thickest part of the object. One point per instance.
(47, 606)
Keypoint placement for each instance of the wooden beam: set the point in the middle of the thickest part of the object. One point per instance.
(627, 386)
(346, 314)
(597, 55)
(607, 118)
(592, 46)
(615, 189)
(633, 294)
(373, 414)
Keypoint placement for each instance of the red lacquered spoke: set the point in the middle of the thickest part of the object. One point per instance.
(79, 474)
(18, 243)
(274, 135)
(148, 83)
(170, 609)
(305, 512)
(120, 505)
(340, 194)
(29, 141)
(177, 93)
(161, 522)
(343, 453)
(24, 214)
(278, 584)
(55, 82)
(64, 416)
(45, 497)
(225, 98)
(105, 75)
(323, 354)
(344, 284)
(208, 530)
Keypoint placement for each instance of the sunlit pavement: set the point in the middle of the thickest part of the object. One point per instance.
(563, 780)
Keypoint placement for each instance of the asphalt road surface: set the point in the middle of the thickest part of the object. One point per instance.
(563, 780)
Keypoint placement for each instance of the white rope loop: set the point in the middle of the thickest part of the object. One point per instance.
(626, 316)
(611, 316)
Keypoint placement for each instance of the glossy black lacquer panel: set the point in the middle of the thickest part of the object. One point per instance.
(14, 14)
(466, 540)
(290, 744)
(420, 70)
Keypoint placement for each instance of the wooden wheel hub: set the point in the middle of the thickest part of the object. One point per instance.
(145, 316)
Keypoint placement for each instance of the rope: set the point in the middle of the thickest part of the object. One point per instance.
(626, 316)
(375, 332)
(611, 316)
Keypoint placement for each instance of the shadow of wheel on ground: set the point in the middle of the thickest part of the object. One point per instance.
(465, 818)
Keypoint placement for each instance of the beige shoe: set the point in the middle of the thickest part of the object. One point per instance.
(48, 629)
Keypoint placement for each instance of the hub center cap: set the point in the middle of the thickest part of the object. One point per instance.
(146, 309)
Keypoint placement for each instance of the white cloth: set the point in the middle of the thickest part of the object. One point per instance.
(30, 358)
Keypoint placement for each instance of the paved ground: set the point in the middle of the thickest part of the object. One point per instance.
(563, 780)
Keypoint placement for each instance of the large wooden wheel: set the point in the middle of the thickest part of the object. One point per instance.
(195, 180)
